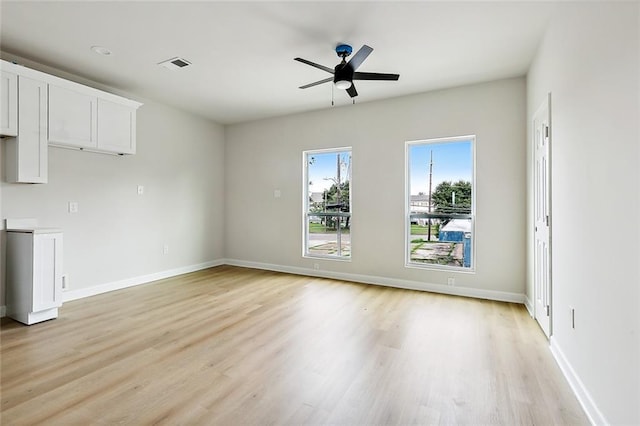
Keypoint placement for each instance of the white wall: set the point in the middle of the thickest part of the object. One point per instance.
(266, 155)
(589, 61)
(116, 234)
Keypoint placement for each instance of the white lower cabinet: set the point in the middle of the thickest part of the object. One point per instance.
(34, 274)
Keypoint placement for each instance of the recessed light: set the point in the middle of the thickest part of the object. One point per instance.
(100, 50)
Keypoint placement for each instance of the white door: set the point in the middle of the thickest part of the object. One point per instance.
(542, 184)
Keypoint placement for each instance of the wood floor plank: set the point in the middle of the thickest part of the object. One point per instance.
(235, 346)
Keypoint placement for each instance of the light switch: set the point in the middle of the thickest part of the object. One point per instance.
(73, 207)
(277, 193)
(140, 189)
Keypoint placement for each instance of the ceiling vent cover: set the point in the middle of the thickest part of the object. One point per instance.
(175, 63)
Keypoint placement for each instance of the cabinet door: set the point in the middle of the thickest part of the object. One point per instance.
(47, 271)
(8, 104)
(116, 127)
(27, 154)
(19, 274)
(72, 118)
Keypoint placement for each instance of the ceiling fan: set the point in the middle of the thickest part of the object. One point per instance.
(345, 72)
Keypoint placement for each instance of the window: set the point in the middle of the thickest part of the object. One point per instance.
(440, 203)
(327, 203)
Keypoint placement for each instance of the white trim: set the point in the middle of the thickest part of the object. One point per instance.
(131, 282)
(327, 257)
(29, 318)
(23, 223)
(580, 391)
(501, 296)
(68, 84)
(528, 305)
(3, 311)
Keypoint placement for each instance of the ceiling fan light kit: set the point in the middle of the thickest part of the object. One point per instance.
(345, 72)
(342, 84)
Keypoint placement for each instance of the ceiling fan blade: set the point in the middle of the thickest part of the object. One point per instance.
(352, 91)
(360, 56)
(313, 64)
(326, 80)
(374, 76)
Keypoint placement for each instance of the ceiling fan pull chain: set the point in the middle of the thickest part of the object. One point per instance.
(332, 104)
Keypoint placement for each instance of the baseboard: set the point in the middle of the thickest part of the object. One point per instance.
(528, 305)
(388, 282)
(130, 282)
(366, 279)
(591, 409)
(3, 311)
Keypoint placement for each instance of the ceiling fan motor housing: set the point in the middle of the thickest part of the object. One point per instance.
(342, 72)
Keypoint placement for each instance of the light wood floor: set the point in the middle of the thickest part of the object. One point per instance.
(233, 346)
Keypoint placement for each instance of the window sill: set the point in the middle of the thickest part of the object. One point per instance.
(336, 258)
(440, 268)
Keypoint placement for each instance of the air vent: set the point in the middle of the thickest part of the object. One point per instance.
(175, 63)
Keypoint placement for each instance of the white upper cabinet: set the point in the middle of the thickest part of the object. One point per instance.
(38, 110)
(8, 104)
(89, 119)
(116, 127)
(72, 118)
(27, 153)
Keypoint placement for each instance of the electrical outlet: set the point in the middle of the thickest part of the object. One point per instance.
(316, 266)
(73, 207)
(451, 281)
(165, 249)
(65, 281)
(140, 190)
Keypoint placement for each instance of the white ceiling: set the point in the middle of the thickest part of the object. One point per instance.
(242, 52)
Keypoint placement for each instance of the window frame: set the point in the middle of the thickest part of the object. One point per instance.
(305, 204)
(407, 206)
